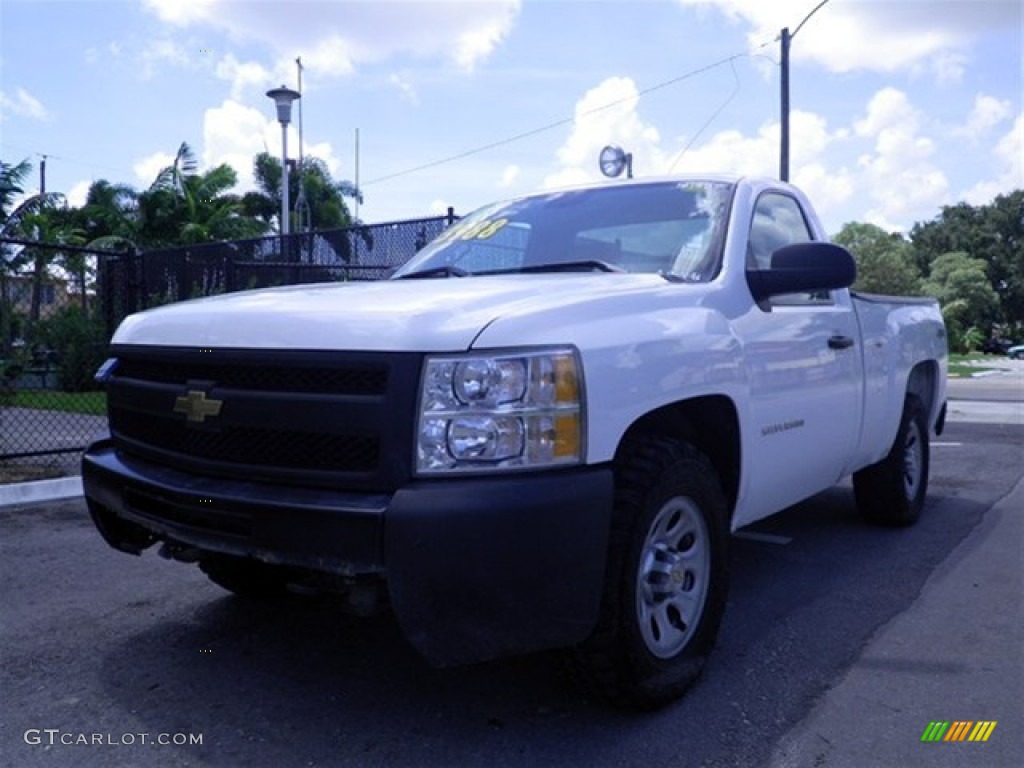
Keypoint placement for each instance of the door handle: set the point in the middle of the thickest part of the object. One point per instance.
(840, 342)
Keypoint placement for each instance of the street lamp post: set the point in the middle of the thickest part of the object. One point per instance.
(283, 98)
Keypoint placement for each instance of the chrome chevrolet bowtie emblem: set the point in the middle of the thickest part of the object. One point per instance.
(196, 407)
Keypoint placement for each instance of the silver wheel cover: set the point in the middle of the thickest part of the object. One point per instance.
(913, 460)
(673, 577)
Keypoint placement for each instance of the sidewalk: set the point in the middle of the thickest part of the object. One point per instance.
(956, 654)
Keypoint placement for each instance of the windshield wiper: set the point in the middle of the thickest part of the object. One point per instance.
(445, 271)
(581, 265)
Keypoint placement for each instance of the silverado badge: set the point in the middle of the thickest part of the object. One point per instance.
(196, 407)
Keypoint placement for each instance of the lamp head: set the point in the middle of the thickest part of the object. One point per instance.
(283, 98)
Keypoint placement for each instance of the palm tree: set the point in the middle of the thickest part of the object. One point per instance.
(183, 206)
(324, 196)
(13, 216)
(51, 225)
(110, 216)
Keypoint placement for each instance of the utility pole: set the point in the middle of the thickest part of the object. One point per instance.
(302, 213)
(784, 87)
(786, 38)
(42, 176)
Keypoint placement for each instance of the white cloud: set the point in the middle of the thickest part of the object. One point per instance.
(331, 56)
(325, 152)
(147, 168)
(731, 151)
(405, 88)
(243, 75)
(477, 42)
(899, 174)
(335, 37)
(77, 194)
(234, 134)
(22, 104)
(607, 115)
(988, 112)
(179, 13)
(879, 36)
(1009, 158)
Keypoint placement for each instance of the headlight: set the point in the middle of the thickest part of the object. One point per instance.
(500, 411)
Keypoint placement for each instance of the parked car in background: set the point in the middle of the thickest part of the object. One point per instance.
(996, 346)
(1016, 353)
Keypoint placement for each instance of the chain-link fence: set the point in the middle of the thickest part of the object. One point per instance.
(61, 307)
(52, 338)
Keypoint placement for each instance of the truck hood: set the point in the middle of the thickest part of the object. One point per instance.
(439, 315)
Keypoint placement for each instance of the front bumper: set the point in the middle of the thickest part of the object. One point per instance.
(477, 568)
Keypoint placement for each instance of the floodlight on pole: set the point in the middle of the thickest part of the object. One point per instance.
(614, 160)
(283, 98)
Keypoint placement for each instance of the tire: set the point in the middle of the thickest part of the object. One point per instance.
(246, 578)
(666, 579)
(892, 492)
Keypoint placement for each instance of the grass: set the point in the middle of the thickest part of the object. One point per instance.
(93, 403)
(968, 365)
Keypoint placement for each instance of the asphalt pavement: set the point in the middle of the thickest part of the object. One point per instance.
(973, 672)
(954, 655)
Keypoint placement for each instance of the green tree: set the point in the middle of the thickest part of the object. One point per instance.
(110, 216)
(969, 304)
(184, 207)
(885, 261)
(51, 225)
(324, 196)
(992, 233)
(14, 213)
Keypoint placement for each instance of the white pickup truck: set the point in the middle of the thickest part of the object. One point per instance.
(539, 433)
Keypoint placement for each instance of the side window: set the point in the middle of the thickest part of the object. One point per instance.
(778, 221)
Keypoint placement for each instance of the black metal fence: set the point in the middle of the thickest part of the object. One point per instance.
(51, 344)
(135, 281)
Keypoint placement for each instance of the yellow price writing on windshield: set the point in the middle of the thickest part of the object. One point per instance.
(480, 230)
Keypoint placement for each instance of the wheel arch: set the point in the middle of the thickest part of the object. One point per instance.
(709, 423)
(923, 383)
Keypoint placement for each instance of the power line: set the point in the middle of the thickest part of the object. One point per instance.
(567, 120)
(525, 134)
(62, 158)
(716, 113)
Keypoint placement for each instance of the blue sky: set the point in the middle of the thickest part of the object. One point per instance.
(899, 106)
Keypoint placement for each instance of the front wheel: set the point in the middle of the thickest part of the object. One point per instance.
(666, 580)
(892, 491)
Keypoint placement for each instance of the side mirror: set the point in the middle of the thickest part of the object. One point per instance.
(803, 267)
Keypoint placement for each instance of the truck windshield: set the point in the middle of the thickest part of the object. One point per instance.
(675, 229)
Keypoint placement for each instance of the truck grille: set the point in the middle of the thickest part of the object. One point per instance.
(311, 418)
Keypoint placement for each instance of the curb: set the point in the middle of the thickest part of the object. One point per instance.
(40, 491)
(906, 674)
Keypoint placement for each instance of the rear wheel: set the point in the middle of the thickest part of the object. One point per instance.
(246, 578)
(892, 491)
(666, 579)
